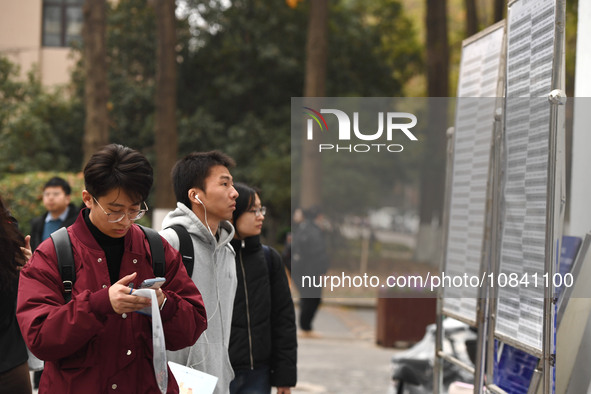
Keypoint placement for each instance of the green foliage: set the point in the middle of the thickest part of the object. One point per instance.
(39, 128)
(23, 194)
(239, 65)
(571, 45)
(373, 49)
(354, 182)
(131, 52)
(248, 62)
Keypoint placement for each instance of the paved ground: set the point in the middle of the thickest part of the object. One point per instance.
(345, 360)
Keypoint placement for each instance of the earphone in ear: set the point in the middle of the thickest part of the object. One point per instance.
(204, 211)
(198, 199)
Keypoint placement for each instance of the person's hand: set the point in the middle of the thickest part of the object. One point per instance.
(283, 390)
(121, 299)
(27, 253)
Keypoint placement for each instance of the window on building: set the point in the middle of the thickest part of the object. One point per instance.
(62, 22)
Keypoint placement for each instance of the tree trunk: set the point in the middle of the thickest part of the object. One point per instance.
(96, 93)
(437, 49)
(316, 57)
(499, 9)
(438, 86)
(471, 18)
(432, 181)
(165, 123)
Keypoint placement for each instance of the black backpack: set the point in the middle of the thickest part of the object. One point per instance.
(185, 247)
(65, 258)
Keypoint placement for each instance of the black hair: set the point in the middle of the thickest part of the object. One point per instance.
(312, 213)
(116, 166)
(11, 241)
(192, 170)
(244, 202)
(56, 181)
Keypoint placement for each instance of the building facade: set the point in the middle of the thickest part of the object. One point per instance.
(38, 35)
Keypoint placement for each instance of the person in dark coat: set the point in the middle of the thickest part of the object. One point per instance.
(263, 341)
(14, 371)
(309, 262)
(60, 211)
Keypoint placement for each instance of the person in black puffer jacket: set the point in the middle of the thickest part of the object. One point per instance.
(14, 371)
(263, 343)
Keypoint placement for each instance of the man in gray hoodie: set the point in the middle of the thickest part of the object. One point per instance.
(206, 199)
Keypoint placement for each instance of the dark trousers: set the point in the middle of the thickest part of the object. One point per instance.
(308, 308)
(16, 381)
(251, 381)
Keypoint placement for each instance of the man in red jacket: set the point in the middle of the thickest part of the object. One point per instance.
(95, 343)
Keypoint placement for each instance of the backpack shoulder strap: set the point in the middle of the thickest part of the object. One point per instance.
(186, 247)
(65, 260)
(156, 249)
(267, 251)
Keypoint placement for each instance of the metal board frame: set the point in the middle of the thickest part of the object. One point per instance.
(554, 207)
(469, 181)
(480, 319)
(524, 219)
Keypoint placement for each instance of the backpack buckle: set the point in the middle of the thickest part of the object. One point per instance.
(68, 286)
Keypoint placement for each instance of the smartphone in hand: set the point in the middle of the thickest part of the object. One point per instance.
(153, 283)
